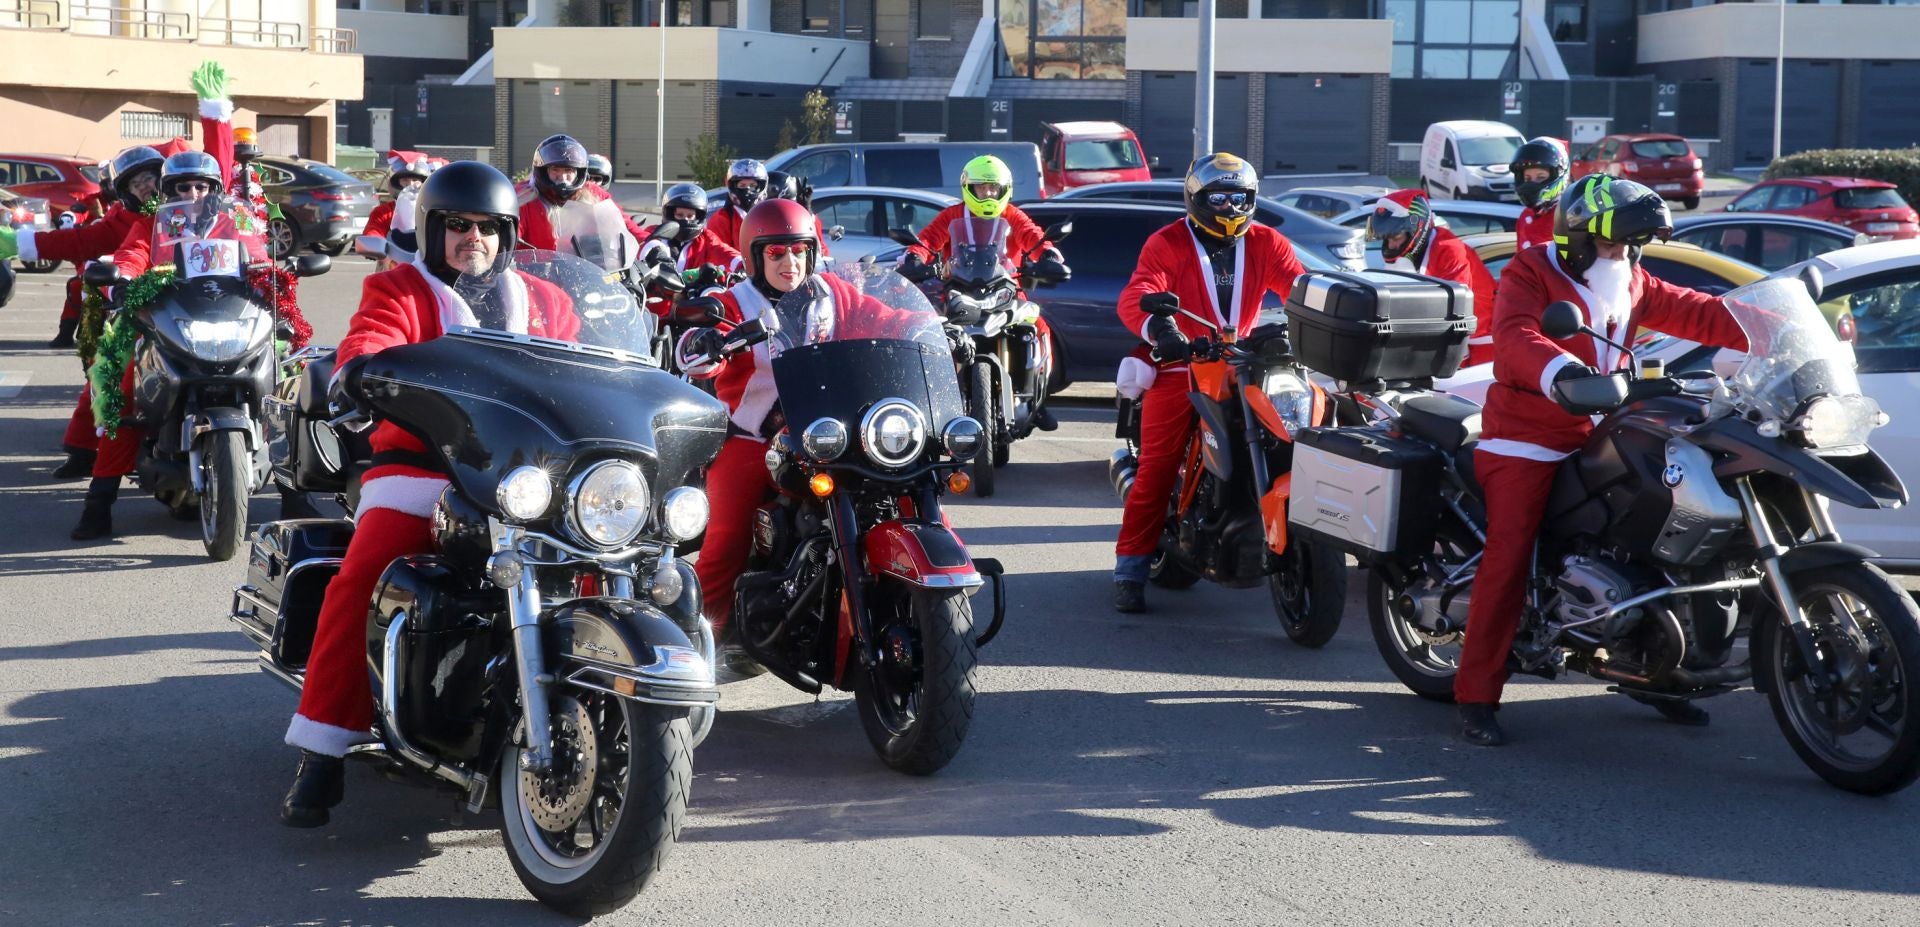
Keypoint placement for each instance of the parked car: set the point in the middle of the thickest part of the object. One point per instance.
(1665, 163)
(1871, 206)
(65, 182)
(1341, 246)
(1467, 159)
(1077, 154)
(1462, 217)
(931, 166)
(866, 214)
(1765, 240)
(1327, 202)
(27, 212)
(1681, 264)
(322, 207)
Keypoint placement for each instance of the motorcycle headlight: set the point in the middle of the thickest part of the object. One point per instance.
(683, 513)
(1291, 397)
(525, 493)
(1833, 421)
(963, 437)
(226, 340)
(893, 433)
(825, 439)
(608, 503)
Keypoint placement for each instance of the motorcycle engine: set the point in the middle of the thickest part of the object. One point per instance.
(1585, 588)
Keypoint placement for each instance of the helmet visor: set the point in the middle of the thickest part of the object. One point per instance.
(987, 190)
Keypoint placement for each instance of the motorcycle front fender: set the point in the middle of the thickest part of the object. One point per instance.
(924, 555)
(1821, 554)
(628, 648)
(1273, 512)
(224, 418)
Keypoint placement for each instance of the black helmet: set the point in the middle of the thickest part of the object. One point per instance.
(599, 169)
(782, 186)
(465, 186)
(185, 166)
(745, 195)
(686, 196)
(127, 165)
(401, 169)
(1599, 206)
(559, 151)
(1542, 152)
(1222, 175)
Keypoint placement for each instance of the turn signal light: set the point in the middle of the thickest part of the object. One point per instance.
(959, 481)
(821, 484)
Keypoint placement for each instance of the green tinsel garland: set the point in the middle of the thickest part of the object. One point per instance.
(115, 349)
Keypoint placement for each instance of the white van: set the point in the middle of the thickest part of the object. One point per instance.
(1467, 159)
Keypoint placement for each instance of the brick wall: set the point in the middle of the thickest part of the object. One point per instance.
(502, 123)
(1378, 114)
(784, 15)
(937, 57)
(1256, 152)
(1132, 109)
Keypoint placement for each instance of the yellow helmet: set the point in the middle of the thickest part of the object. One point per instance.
(986, 184)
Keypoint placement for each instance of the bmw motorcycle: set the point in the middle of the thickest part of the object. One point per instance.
(1695, 515)
(854, 580)
(549, 655)
(206, 361)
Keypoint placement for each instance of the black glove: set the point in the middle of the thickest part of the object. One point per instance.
(343, 393)
(1575, 372)
(1155, 303)
(915, 268)
(709, 277)
(707, 342)
(1169, 343)
(960, 343)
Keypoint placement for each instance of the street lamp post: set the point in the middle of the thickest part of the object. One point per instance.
(1203, 86)
(660, 115)
(1779, 79)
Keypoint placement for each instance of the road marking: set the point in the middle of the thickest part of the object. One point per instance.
(13, 381)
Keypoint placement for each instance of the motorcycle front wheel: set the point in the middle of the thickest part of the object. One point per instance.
(223, 499)
(980, 403)
(916, 703)
(586, 836)
(1863, 733)
(1309, 590)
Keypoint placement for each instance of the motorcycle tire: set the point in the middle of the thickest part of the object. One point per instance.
(1309, 593)
(1169, 573)
(223, 505)
(980, 402)
(1876, 655)
(917, 715)
(1429, 676)
(653, 806)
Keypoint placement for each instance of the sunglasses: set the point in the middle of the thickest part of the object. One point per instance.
(798, 249)
(193, 186)
(461, 226)
(1236, 200)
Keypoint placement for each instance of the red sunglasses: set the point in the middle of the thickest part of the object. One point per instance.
(798, 249)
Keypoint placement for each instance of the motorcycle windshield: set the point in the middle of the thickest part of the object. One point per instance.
(1794, 358)
(977, 250)
(596, 233)
(838, 361)
(214, 237)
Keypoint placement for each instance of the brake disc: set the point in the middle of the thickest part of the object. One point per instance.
(557, 798)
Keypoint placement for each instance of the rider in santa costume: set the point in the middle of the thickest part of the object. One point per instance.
(1539, 177)
(1402, 222)
(694, 247)
(1595, 264)
(559, 177)
(466, 216)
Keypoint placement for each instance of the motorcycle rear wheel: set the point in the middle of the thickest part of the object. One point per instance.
(1408, 651)
(1309, 592)
(223, 501)
(1167, 572)
(635, 800)
(1867, 631)
(980, 402)
(917, 703)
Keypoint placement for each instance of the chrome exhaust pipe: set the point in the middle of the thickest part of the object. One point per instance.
(1121, 469)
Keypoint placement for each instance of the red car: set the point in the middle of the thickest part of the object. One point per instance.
(1870, 206)
(1077, 154)
(1665, 163)
(63, 181)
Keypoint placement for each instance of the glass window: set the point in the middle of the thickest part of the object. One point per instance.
(813, 15)
(1448, 21)
(1103, 155)
(1730, 240)
(1567, 20)
(1057, 17)
(1493, 149)
(1752, 200)
(1869, 198)
(853, 213)
(1056, 60)
(913, 168)
(1780, 247)
(1887, 319)
(1686, 275)
(1104, 17)
(936, 18)
(1662, 148)
(830, 168)
(1488, 63)
(1443, 63)
(1404, 14)
(330, 173)
(1474, 223)
(1446, 155)
(1790, 196)
(909, 214)
(1496, 22)
(1402, 60)
(1106, 60)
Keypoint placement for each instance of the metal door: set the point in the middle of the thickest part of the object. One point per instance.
(552, 107)
(635, 119)
(285, 136)
(1316, 123)
(1810, 110)
(1889, 109)
(892, 39)
(1166, 117)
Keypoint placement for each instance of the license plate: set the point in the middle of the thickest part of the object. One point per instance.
(1669, 187)
(1882, 228)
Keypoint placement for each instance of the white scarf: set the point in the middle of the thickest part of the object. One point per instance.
(757, 399)
(454, 311)
(1227, 320)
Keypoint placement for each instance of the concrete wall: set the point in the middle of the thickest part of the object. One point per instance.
(1340, 46)
(137, 66)
(1752, 30)
(694, 53)
(87, 123)
(407, 35)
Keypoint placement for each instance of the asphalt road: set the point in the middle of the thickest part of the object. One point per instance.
(1185, 767)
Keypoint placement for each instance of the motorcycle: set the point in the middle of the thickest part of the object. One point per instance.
(1695, 503)
(549, 656)
(1003, 367)
(854, 580)
(1227, 517)
(206, 360)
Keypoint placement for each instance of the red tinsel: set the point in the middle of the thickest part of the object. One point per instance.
(277, 285)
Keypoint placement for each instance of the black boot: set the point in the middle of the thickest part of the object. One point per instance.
(65, 338)
(1043, 419)
(79, 463)
(319, 784)
(96, 521)
(1479, 727)
(1129, 597)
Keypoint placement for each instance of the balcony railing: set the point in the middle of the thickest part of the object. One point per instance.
(133, 19)
(328, 40)
(128, 22)
(215, 30)
(31, 14)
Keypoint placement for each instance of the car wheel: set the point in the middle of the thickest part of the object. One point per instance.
(1690, 203)
(282, 238)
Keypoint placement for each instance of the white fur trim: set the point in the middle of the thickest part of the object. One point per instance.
(308, 734)
(1226, 319)
(757, 399)
(454, 311)
(1480, 339)
(1553, 369)
(1506, 447)
(221, 110)
(1134, 377)
(29, 250)
(408, 495)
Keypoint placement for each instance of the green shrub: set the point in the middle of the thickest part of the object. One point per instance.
(708, 159)
(817, 113)
(1897, 166)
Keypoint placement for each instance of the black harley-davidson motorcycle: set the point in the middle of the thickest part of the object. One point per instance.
(854, 580)
(549, 654)
(207, 360)
(1695, 515)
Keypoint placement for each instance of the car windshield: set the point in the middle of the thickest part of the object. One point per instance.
(892, 309)
(1662, 148)
(1869, 198)
(1103, 155)
(1793, 357)
(1494, 149)
(547, 294)
(213, 236)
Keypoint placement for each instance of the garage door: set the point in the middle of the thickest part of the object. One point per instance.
(635, 119)
(1166, 117)
(1810, 111)
(1316, 123)
(1889, 109)
(285, 136)
(551, 107)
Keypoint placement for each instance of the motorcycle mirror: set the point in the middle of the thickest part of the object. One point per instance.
(373, 246)
(667, 229)
(1158, 310)
(312, 265)
(700, 311)
(903, 236)
(1050, 272)
(101, 274)
(1810, 275)
(1561, 321)
(1059, 230)
(837, 232)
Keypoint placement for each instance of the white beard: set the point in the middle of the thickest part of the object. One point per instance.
(1610, 282)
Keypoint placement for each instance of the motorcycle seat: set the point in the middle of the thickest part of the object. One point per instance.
(1463, 465)
(1448, 421)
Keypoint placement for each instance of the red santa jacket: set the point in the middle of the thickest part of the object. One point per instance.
(1520, 419)
(536, 216)
(1023, 234)
(83, 242)
(1534, 227)
(380, 220)
(1449, 258)
(724, 225)
(1173, 261)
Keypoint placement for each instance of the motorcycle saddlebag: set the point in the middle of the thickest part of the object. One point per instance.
(287, 575)
(1365, 491)
(1379, 324)
(310, 456)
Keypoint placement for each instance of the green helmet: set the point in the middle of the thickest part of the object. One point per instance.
(986, 184)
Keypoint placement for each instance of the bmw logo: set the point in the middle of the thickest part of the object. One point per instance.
(1672, 475)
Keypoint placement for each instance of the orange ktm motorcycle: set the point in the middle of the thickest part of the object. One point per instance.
(1227, 517)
